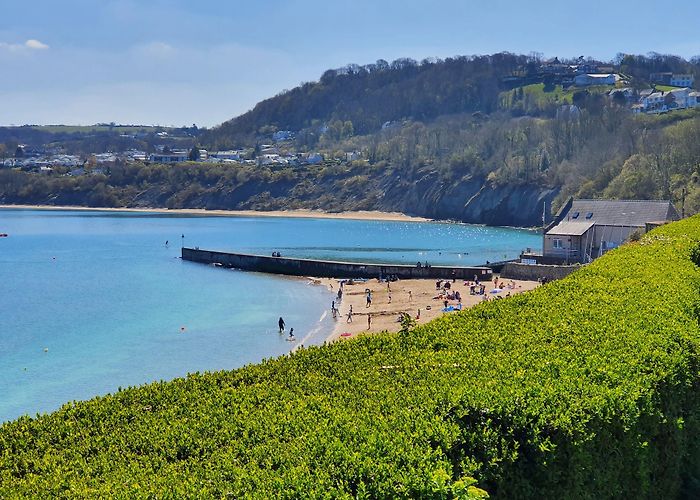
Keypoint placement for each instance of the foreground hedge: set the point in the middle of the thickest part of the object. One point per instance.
(584, 388)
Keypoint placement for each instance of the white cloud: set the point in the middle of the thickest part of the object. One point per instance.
(30, 44)
(35, 44)
(155, 49)
(11, 47)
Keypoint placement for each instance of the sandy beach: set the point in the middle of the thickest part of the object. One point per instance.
(308, 214)
(407, 296)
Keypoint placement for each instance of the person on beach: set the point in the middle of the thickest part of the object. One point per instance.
(281, 324)
(410, 296)
(340, 294)
(369, 321)
(418, 315)
(389, 297)
(349, 315)
(369, 298)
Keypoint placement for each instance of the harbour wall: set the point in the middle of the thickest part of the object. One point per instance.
(330, 269)
(533, 272)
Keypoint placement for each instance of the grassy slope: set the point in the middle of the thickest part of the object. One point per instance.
(556, 95)
(584, 388)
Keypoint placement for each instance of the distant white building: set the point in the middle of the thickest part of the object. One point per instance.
(136, 155)
(175, 156)
(105, 157)
(227, 155)
(269, 159)
(682, 80)
(694, 99)
(674, 80)
(586, 79)
(661, 102)
(314, 158)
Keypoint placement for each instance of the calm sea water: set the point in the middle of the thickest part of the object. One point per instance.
(94, 301)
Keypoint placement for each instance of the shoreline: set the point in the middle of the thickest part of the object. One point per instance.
(407, 296)
(300, 214)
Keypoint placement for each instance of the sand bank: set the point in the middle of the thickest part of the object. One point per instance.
(407, 296)
(308, 214)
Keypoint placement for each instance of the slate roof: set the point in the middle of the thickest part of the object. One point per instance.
(621, 212)
(571, 228)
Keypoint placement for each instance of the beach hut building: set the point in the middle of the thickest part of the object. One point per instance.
(586, 229)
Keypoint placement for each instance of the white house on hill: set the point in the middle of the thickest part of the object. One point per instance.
(682, 80)
(587, 79)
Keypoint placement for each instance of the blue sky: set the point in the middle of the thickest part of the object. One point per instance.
(180, 62)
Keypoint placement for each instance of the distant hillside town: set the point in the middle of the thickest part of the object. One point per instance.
(45, 160)
(667, 91)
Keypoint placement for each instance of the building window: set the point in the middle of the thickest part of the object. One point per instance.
(556, 243)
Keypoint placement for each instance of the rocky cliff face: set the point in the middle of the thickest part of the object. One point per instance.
(475, 201)
(472, 200)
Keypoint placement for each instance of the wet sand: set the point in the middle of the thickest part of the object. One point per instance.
(305, 214)
(385, 313)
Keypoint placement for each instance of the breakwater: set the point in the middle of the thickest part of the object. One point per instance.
(331, 269)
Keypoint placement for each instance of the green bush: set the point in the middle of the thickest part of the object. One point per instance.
(584, 388)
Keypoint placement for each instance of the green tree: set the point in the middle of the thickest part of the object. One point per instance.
(194, 154)
(348, 130)
(636, 181)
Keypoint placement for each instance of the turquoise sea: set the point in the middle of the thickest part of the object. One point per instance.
(94, 301)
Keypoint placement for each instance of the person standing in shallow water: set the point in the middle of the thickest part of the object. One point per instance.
(281, 324)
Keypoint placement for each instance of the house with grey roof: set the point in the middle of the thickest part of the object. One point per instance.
(586, 229)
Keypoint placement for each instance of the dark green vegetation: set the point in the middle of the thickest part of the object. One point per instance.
(369, 96)
(585, 388)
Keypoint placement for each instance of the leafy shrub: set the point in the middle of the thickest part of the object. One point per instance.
(587, 387)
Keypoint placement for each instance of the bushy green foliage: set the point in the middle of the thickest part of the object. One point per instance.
(585, 388)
